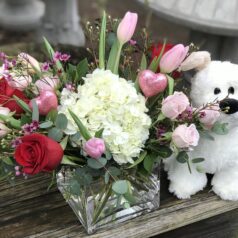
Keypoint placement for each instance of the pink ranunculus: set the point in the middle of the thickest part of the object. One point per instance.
(47, 83)
(174, 105)
(172, 59)
(20, 82)
(185, 136)
(4, 130)
(209, 116)
(28, 61)
(127, 27)
(95, 147)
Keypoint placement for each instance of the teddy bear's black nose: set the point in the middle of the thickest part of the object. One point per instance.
(229, 105)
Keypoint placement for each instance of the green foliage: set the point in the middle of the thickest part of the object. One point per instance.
(102, 41)
(55, 134)
(46, 124)
(35, 111)
(220, 128)
(52, 115)
(120, 187)
(96, 163)
(170, 85)
(83, 130)
(98, 134)
(64, 142)
(22, 104)
(139, 160)
(82, 70)
(182, 157)
(75, 187)
(197, 160)
(162, 151)
(61, 121)
(149, 161)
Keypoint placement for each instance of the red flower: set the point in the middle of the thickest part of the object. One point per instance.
(38, 153)
(6, 97)
(155, 52)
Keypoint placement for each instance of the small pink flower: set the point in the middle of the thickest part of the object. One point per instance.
(132, 42)
(65, 57)
(57, 55)
(127, 27)
(172, 59)
(95, 147)
(209, 116)
(47, 83)
(174, 105)
(45, 67)
(185, 136)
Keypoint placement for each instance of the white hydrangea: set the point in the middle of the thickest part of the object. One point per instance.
(112, 103)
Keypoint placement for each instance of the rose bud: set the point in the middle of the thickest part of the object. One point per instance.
(29, 62)
(95, 147)
(38, 153)
(174, 105)
(127, 27)
(20, 82)
(196, 60)
(172, 59)
(3, 130)
(209, 116)
(185, 136)
(47, 83)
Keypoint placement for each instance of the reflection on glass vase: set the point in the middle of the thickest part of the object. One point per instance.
(97, 206)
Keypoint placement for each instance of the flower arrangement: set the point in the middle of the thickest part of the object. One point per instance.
(100, 128)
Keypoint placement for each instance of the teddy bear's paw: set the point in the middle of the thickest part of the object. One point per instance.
(185, 189)
(225, 187)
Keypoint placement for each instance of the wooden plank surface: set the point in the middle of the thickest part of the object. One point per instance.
(28, 210)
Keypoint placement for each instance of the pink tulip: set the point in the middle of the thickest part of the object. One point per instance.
(47, 83)
(127, 27)
(95, 147)
(172, 59)
(174, 105)
(209, 116)
(28, 61)
(3, 130)
(185, 136)
(19, 82)
(4, 111)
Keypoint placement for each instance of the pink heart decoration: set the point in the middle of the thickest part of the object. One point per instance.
(46, 102)
(152, 83)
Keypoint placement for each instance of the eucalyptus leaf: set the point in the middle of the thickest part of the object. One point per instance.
(106, 177)
(55, 134)
(114, 171)
(182, 157)
(220, 128)
(35, 111)
(61, 121)
(198, 160)
(52, 115)
(96, 163)
(75, 187)
(46, 124)
(120, 187)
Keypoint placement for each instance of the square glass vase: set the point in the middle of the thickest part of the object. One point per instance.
(97, 206)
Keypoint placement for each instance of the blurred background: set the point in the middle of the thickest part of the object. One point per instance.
(211, 25)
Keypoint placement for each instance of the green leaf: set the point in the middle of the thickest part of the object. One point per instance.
(25, 119)
(67, 161)
(61, 121)
(149, 161)
(8, 161)
(182, 157)
(22, 104)
(96, 163)
(64, 142)
(46, 124)
(35, 111)
(82, 69)
(52, 115)
(75, 187)
(98, 134)
(197, 160)
(114, 171)
(143, 64)
(51, 53)
(220, 128)
(170, 85)
(83, 130)
(162, 151)
(120, 187)
(114, 57)
(155, 62)
(139, 160)
(102, 42)
(55, 134)
(107, 177)
(111, 38)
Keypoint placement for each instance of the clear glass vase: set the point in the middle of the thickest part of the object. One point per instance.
(96, 206)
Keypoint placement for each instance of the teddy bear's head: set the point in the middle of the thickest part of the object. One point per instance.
(217, 81)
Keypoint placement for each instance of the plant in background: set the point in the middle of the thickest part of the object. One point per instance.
(101, 128)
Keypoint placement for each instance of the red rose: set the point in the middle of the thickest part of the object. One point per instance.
(38, 153)
(6, 97)
(156, 49)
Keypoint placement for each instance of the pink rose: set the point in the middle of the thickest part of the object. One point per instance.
(209, 116)
(95, 147)
(174, 105)
(47, 83)
(185, 136)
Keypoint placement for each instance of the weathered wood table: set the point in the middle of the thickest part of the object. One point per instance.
(28, 210)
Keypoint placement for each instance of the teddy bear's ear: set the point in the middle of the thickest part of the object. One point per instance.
(196, 60)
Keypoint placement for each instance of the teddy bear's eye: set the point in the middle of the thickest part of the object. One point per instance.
(217, 90)
(231, 90)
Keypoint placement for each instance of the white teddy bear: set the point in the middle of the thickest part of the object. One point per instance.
(216, 80)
